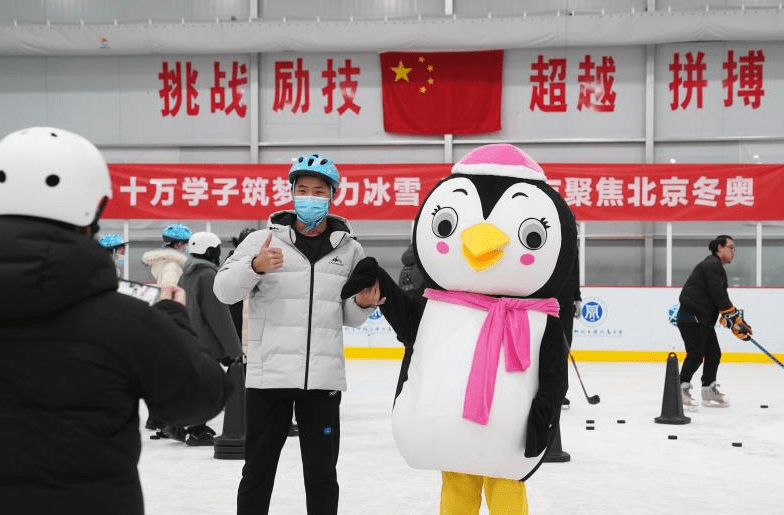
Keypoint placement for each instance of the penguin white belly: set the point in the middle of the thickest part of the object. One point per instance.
(427, 419)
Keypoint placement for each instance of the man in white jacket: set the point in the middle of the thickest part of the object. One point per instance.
(293, 272)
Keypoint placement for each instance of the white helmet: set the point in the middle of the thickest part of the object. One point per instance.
(54, 174)
(201, 241)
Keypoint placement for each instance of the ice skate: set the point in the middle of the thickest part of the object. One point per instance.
(688, 401)
(713, 398)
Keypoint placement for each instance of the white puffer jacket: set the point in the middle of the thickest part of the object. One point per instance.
(296, 315)
(165, 265)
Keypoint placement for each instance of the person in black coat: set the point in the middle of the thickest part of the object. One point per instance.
(702, 299)
(210, 317)
(77, 356)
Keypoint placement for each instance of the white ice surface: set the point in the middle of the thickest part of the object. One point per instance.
(616, 469)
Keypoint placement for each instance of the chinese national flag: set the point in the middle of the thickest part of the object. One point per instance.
(442, 92)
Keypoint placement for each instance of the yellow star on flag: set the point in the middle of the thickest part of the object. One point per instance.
(401, 72)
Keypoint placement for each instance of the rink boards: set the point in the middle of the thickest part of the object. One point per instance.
(622, 324)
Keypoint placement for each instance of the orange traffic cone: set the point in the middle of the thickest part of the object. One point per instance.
(672, 399)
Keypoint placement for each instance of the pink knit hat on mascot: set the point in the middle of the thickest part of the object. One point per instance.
(500, 159)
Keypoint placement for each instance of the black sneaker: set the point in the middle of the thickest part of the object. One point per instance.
(294, 430)
(174, 432)
(201, 435)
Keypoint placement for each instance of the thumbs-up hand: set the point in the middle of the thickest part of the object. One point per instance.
(268, 258)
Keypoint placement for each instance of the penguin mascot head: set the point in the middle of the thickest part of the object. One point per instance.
(495, 227)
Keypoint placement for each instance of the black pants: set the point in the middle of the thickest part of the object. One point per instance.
(268, 420)
(701, 345)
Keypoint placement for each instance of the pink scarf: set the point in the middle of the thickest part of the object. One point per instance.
(505, 324)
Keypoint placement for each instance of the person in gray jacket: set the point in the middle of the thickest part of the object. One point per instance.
(210, 319)
(293, 272)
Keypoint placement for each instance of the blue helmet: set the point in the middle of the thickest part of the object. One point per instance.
(315, 166)
(111, 241)
(176, 233)
(672, 314)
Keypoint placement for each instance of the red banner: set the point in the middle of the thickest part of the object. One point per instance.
(664, 192)
(442, 92)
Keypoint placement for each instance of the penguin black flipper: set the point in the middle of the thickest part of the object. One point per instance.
(403, 312)
(553, 383)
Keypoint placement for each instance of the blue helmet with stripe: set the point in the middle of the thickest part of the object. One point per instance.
(315, 165)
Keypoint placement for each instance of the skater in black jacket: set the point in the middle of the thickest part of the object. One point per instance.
(77, 355)
(703, 298)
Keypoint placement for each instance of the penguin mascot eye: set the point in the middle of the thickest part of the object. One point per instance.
(444, 221)
(532, 233)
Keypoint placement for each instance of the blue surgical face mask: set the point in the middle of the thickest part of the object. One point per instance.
(119, 261)
(311, 210)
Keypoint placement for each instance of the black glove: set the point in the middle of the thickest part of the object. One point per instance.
(364, 275)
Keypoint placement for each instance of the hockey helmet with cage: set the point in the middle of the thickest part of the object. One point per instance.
(315, 165)
(54, 174)
(111, 241)
(176, 233)
(201, 242)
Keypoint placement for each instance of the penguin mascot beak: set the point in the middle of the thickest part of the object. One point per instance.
(482, 244)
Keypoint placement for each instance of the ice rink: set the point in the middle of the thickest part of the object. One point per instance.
(615, 469)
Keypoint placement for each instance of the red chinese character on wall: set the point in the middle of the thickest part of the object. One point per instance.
(348, 87)
(549, 91)
(598, 86)
(750, 76)
(694, 69)
(171, 92)
(239, 78)
(284, 92)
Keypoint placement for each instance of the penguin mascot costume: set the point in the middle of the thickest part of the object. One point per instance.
(485, 365)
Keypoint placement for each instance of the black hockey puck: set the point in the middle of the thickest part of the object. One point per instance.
(672, 437)
(589, 421)
(737, 444)
(590, 428)
(155, 437)
(621, 421)
(763, 406)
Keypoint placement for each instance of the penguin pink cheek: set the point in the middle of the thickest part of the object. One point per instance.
(527, 259)
(442, 247)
